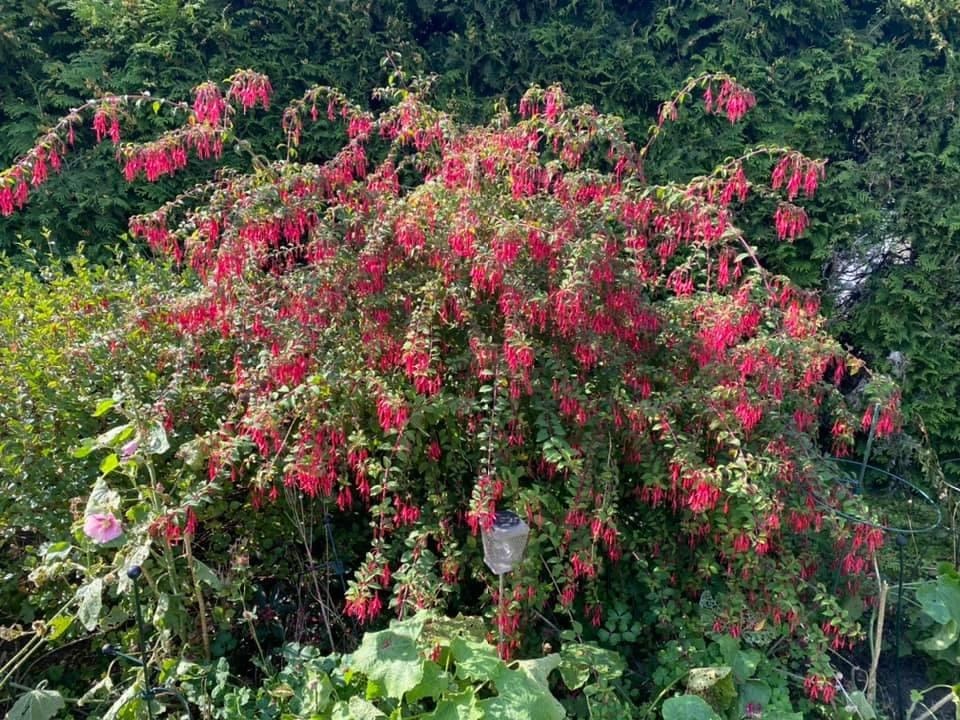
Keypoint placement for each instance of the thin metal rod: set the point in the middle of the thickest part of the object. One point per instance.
(134, 575)
(338, 568)
(901, 542)
(500, 616)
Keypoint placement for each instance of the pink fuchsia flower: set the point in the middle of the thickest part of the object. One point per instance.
(102, 527)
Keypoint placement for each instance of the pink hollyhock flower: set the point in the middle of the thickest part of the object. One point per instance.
(129, 449)
(102, 527)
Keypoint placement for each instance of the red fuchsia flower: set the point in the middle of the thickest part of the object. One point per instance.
(733, 101)
(704, 497)
(842, 438)
(364, 607)
(344, 498)
(668, 111)
(595, 613)
(552, 103)
(887, 424)
(749, 415)
(359, 127)
(189, 522)
(796, 173)
(790, 221)
(888, 420)
(249, 88)
(100, 124)
(407, 514)
(741, 543)
(392, 415)
(737, 187)
(820, 688)
(39, 174)
(803, 420)
(102, 527)
(209, 105)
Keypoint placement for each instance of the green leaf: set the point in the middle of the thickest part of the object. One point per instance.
(156, 105)
(36, 705)
(575, 675)
(114, 436)
(865, 710)
(743, 667)
(940, 599)
(434, 683)
(537, 669)
(459, 706)
(90, 597)
(715, 684)
(754, 693)
(578, 661)
(356, 709)
(134, 555)
(945, 636)
(520, 697)
(110, 463)
(206, 575)
(441, 630)
(157, 442)
(104, 406)
(391, 656)
(57, 626)
(688, 707)
(88, 446)
(475, 660)
(56, 551)
(118, 709)
(102, 499)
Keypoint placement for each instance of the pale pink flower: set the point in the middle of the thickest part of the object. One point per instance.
(102, 527)
(129, 449)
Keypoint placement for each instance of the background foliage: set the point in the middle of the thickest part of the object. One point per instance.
(870, 85)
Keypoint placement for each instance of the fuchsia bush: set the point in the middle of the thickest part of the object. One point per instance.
(444, 320)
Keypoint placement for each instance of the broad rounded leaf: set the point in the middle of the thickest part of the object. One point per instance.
(157, 442)
(206, 575)
(459, 706)
(476, 660)
(102, 499)
(714, 684)
(356, 709)
(755, 694)
(864, 709)
(688, 707)
(391, 657)
(520, 697)
(36, 705)
(434, 683)
(945, 636)
(90, 597)
(578, 661)
(537, 669)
